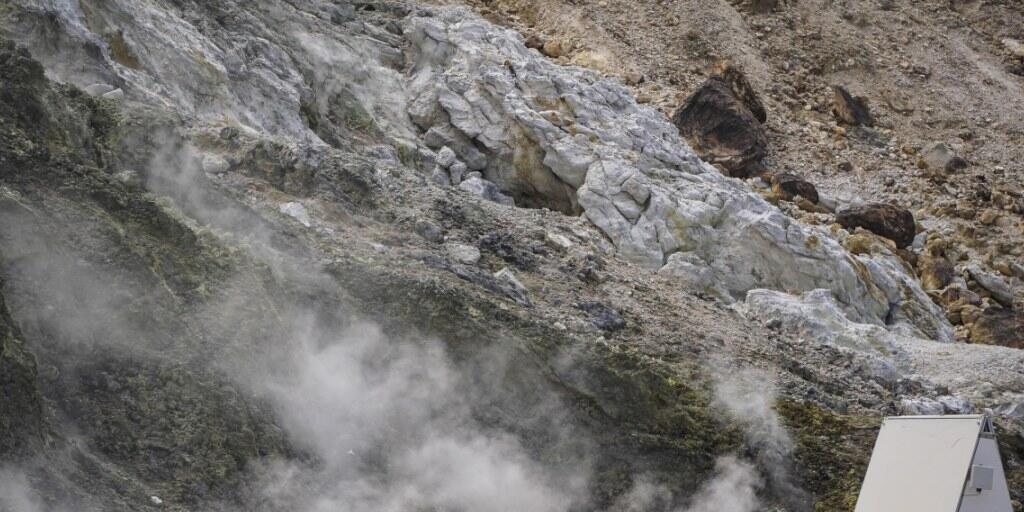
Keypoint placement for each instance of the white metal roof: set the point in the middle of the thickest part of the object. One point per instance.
(920, 463)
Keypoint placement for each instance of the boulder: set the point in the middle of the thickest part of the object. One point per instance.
(721, 125)
(894, 223)
(849, 109)
(936, 272)
(787, 186)
(996, 286)
(999, 326)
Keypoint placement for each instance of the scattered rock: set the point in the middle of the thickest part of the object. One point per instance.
(603, 317)
(721, 126)
(896, 224)
(296, 211)
(1015, 47)
(456, 172)
(558, 241)
(554, 49)
(115, 95)
(429, 231)
(533, 41)
(995, 285)
(439, 177)
(463, 253)
(98, 89)
(939, 158)
(486, 190)
(936, 272)
(445, 157)
(999, 326)
(850, 109)
(787, 186)
(506, 276)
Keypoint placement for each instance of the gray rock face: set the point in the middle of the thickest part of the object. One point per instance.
(540, 134)
(561, 138)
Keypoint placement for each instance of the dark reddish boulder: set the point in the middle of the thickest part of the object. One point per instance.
(886, 220)
(788, 185)
(722, 121)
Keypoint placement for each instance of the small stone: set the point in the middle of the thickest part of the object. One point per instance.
(215, 164)
(936, 272)
(296, 211)
(115, 95)
(429, 231)
(505, 275)
(440, 177)
(1016, 47)
(486, 190)
(787, 186)
(603, 317)
(463, 253)
(98, 89)
(989, 216)
(845, 166)
(939, 158)
(634, 78)
(456, 172)
(554, 49)
(156, 500)
(558, 241)
(446, 157)
(849, 109)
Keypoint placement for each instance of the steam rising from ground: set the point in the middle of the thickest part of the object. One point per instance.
(747, 396)
(392, 429)
(16, 493)
(388, 424)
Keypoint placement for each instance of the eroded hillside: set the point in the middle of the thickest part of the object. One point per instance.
(311, 255)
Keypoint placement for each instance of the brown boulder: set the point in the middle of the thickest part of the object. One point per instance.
(850, 109)
(936, 272)
(787, 186)
(999, 326)
(722, 121)
(896, 224)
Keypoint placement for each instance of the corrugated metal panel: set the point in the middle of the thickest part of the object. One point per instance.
(920, 464)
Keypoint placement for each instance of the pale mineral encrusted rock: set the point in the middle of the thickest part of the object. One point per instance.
(563, 139)
(967, 371)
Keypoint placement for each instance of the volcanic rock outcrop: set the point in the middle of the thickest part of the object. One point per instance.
(285, 255)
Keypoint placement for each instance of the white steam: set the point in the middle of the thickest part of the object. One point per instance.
(747, 396)
(391, 428)
(16, 493)
(733, 488)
